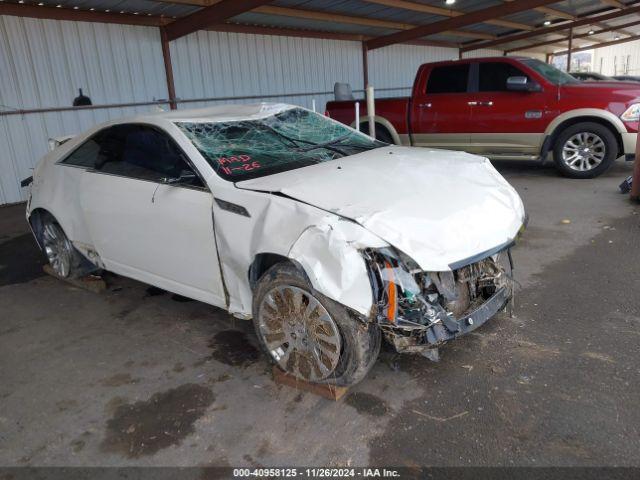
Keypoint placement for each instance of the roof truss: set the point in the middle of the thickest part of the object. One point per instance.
(214, 14)
(590, 20)
(466, 19)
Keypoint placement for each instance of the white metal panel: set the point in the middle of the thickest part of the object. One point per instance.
(220, 64)
(44, 62)
(396, 65)
(618, 59)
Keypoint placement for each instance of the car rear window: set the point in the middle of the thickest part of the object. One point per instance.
(448, 79)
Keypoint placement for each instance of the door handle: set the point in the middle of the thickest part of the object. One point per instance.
(424, 105)
(486, 104)
(472, 104)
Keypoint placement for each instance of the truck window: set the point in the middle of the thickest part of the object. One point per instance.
(493, 76)
(448, 79)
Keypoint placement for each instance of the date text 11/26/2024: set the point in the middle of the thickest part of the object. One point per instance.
(240, 162)
(315, 473)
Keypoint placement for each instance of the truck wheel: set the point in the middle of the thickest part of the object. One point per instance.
(63, 257)
(585, 150)
(382, 133)
(309, 335)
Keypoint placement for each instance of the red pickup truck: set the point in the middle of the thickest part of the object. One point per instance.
(510, 108)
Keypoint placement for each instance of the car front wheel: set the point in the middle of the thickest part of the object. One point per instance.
(309, 335)
(585, 150)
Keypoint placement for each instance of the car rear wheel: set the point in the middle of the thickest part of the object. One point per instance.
(309, 335)
(63, 257)
(585, 150)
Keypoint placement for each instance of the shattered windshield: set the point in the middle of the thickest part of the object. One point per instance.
(293, 138)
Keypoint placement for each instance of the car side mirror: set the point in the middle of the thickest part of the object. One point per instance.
(186, 176)
(522, 84)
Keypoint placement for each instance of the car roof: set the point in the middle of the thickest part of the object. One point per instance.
(217, 113)
(479, 59)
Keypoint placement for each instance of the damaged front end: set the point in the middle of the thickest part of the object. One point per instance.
(417, 311)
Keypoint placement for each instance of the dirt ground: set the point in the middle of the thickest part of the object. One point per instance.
(137, 376)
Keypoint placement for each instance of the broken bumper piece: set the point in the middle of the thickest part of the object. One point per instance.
(417, 311)
(448, 329)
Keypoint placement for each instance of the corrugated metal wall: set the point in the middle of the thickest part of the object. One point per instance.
(44, 62)
(395, 66)
(220, 64)
(618, 59)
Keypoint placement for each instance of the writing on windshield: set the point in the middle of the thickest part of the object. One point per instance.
(290, 139)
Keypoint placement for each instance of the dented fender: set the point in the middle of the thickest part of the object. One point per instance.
(330, 254)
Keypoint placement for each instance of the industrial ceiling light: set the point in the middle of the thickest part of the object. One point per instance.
(107, 11)
(58, 6)
(591, 32)
(76, 7)
(616, 37)
(449, 2)
(40, 4)
(547, 23)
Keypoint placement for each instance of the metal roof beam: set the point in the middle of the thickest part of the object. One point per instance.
(445, 12)
(330, 17)
(52, 13)
(456, 22)
(590, 20)
(217, 13)
(613, 3)
(353, 20)
(556, 13)
(293, 32)
(600, 45)
(578, 35)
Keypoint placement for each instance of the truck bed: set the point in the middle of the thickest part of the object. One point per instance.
(395, 110)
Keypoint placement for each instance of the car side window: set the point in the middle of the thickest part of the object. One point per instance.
(85, 155)
(493, 76)
(140, 151)
(448, 79)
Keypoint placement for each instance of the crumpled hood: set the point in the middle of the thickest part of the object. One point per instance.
(439, 207)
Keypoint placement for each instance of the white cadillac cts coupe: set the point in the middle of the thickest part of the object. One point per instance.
(329, 240)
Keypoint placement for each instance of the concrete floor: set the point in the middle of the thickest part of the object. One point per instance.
(134, 377)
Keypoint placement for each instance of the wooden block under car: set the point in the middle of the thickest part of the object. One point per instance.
(91, 283)
(331, 392)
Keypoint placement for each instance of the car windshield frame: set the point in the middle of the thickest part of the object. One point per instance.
(549, 72)
(289, 139)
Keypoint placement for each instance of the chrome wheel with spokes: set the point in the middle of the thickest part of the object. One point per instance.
(57, 248)
(299, 333)
(583, 151)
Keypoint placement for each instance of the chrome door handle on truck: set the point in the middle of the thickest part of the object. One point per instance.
(473, 104)
(424, 105)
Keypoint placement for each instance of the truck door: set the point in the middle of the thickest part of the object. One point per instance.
(506, 124)
(440, 109)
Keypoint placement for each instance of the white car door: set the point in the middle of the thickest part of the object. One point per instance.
(144, 228)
